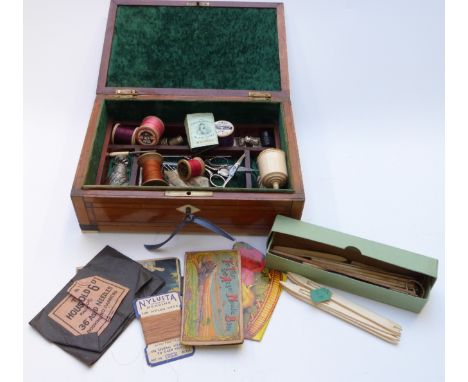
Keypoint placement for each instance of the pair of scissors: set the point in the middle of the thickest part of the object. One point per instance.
(223, 174)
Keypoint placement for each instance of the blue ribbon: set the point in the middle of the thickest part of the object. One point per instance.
(191, 218)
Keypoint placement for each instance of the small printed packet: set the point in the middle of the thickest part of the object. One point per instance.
(160, 318)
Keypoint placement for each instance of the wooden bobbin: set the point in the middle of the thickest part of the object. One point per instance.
(124, 135)
(272, 167)
(190, 168)
(149, 132)
(152, 173)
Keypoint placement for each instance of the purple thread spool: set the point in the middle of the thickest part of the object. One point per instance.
(225, 133)
(122, 135)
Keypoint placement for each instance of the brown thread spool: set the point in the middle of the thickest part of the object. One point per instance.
(190, 168)
(152, 172)
(149, 132)
(272, 167)
(161, 327)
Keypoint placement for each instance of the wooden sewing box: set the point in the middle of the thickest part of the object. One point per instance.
(173, 58)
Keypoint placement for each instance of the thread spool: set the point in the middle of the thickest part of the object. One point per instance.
(190, 168)
(123, 135)
(225, 133)
(266, 139)
(152, 172)
(150, 131)
(272, 167)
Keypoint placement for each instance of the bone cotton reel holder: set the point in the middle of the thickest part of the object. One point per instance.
(149, 132)
(272, 167)
(190, 168)
(151, 174)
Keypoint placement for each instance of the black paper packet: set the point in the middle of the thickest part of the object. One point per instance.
(95, 306)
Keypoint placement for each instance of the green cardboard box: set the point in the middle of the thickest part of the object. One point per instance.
(294, 233)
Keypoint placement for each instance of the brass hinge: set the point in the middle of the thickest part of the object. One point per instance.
(260, 95)
(203, 3)
(125, 93)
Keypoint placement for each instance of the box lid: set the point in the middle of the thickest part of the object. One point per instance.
(396, 256)
(194, 48)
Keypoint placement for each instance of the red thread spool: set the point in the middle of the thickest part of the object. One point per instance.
(190, 168)
(123, 135)
(150, 131)
(152, 173)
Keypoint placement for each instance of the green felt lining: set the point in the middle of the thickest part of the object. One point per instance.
(97, 147)
(195, 47)
(173, 111)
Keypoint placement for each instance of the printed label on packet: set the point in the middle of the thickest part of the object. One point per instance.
(155, 305)
(89, 306)
(74, 316)
(167, 351)
(98, 294)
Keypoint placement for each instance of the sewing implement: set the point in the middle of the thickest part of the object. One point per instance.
(399, 282)
(322, 298)
(151, 164)
(149, 132)
(220, 177)
(273, 169)
(119, 174)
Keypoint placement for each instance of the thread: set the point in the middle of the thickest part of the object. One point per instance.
(190, 168)
(161, 327)
(225, 133)
(152, 173)
(122, 135)
(155, 123)
(266, 139)
(150, 131)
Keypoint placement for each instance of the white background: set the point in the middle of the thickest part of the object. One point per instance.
(367, 92)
